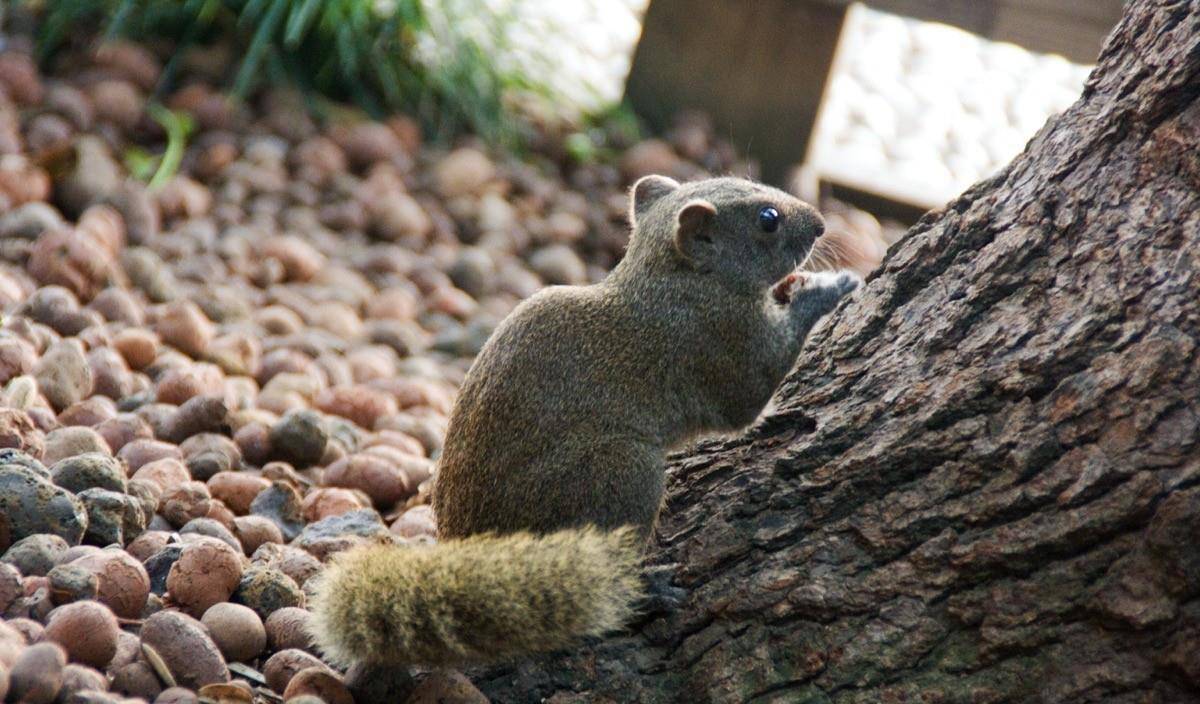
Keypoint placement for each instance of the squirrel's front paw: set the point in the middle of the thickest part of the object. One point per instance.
(846, 282)
(798, 282)
(841, 282)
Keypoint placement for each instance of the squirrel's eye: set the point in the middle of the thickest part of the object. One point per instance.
(768, 219)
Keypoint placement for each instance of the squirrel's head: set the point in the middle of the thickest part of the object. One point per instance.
(743, 234)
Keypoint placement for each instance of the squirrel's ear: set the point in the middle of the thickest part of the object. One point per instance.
(691, 237)
(646, 191)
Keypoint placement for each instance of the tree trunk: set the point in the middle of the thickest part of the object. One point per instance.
(982, 482)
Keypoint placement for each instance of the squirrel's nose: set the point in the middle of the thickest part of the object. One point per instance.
(818, 228)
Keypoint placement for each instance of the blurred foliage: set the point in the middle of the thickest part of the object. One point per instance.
(417, 56)
(157, 169)
(604, 135)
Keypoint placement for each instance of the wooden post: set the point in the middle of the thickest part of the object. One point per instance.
(757, 68)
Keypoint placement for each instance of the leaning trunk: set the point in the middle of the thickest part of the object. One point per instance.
(982, 482)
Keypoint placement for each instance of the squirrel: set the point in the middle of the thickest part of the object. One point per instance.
(552, 474)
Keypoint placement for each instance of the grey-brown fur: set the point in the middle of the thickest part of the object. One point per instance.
(566, 415)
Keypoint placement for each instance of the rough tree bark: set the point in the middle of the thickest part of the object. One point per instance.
(982, 483)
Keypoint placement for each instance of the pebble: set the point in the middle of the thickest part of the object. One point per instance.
(288, 627)
(237, 489)
(34, 505)
(299, 438)
(446, 686)
(281, 667)
(213, 529)
(17, 431)
(70, 583)
(89, 470)
(114, 518)
(36, 555)
(462, 172)
(237, 630)
(63, 374)
(73, 441)
(206, 573)
(318, 682)
(79, 678)
(186, 648)
(378, 478)
(185, 327)
(266, 590)
(281, 504)
(87, 630)
(122, 581)
(37, 675)
(296, 563)
(255, 531)
(364, 523)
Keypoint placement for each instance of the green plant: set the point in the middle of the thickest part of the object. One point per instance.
(383, 55)
(603, 135)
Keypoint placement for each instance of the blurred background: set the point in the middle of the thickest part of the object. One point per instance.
(892, 107)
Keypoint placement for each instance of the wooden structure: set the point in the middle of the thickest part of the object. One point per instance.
(759, 67)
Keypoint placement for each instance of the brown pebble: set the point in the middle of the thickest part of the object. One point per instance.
(140, 453)
(377, 477)
(289, 628)
(166, 473)
(17, 430)
(123, 584)
(37, 675)
(256, 531)
(122, 429)
(176, 695)
(186, 648)
(237, 489)
(185, 327)
(118, 305)
(361, 404)
(237, 631)
(62, 443)
(318, 682)
(416, 522)
(138, 346)
(87, 630)
(330, 501)
(205, 574)
(90, 412)
(78, 678)
(137, 679)
(200, 379)
(282, 666)
(148, 544)
(63, 374)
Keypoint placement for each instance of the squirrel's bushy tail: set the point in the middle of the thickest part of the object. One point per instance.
(478, 600)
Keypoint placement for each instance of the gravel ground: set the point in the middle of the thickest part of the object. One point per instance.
(208, 389)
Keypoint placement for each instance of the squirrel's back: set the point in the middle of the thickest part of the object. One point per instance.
(547, 390)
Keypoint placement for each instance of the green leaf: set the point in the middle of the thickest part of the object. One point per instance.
(299, 21)
(258, 47)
